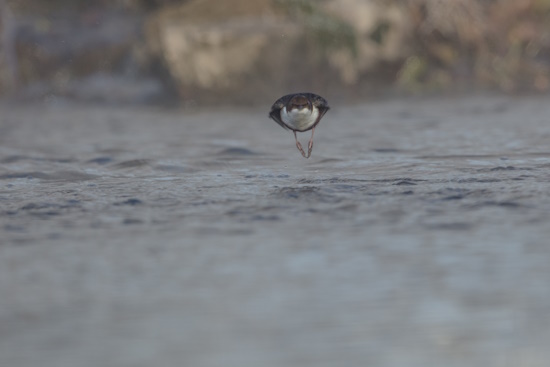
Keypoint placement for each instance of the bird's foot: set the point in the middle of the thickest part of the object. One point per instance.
(299, 146)
(309, 148)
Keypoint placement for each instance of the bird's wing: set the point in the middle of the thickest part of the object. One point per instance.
(275, 112)
(320, 103)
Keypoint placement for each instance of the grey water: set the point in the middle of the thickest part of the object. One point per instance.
(418, 233)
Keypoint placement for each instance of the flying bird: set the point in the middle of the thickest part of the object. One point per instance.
(299, 112)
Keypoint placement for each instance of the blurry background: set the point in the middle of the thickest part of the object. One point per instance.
(235, 51)
(137, 235)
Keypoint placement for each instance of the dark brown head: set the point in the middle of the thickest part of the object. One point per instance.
(298, 101)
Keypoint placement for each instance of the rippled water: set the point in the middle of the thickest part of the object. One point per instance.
(417, 234)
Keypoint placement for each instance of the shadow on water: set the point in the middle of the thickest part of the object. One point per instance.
(236, 151)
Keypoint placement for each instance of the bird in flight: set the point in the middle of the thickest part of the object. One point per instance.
(299, 112)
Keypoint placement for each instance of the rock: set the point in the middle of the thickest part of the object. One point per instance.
(216, 50)
(49, 49)
(8, 59)
(382, 35)
(244, 50)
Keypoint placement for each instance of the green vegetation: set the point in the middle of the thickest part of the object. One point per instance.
(327, 31)
(502, 44)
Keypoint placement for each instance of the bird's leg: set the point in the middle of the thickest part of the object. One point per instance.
(299, 146)
(310, 144)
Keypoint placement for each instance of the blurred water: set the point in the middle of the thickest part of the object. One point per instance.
(417, 234)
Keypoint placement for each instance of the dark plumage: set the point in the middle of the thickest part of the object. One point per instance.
(299, 112)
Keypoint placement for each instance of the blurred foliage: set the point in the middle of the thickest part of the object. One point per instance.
(455, 44)
(378, 35)
(492, 43)
(413, 73)
(327, 31)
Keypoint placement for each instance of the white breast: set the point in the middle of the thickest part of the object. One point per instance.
(300, 120)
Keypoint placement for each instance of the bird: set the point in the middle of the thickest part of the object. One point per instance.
(299, 112)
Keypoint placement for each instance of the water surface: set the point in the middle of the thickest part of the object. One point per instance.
(417, 234)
